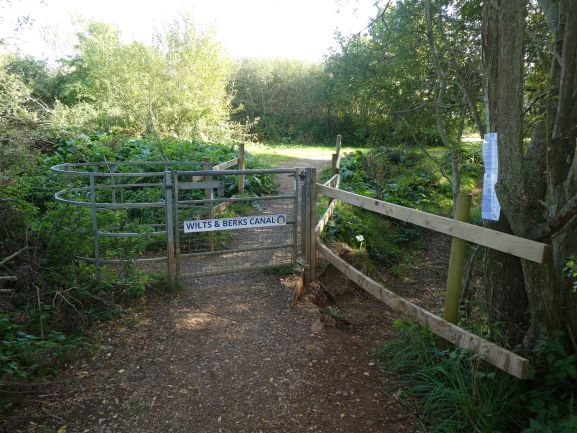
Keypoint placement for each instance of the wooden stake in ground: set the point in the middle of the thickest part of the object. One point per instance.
(457, 261)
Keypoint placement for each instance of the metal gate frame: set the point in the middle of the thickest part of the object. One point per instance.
(302, 218)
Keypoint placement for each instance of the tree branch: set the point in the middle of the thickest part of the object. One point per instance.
(550, 10)
(442, 77)
(564, 216)
(557, 223)
(536, 166)
(12, 256)
(427, 154)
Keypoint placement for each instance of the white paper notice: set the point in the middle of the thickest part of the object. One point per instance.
(490, 208)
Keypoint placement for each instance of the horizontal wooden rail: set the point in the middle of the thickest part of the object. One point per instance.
(516, 246)
(326, 217)
(225, 165)
(501, 358)
(332, 182)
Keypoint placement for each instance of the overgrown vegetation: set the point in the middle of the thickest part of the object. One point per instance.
(400, 175)
(282, 100)
(458, 392)
(55, 298)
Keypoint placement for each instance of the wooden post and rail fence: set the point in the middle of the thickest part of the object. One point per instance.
(461, 232)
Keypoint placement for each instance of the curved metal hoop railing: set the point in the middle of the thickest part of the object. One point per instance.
(121, 186)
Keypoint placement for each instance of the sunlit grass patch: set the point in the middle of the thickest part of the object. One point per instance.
(272, 153)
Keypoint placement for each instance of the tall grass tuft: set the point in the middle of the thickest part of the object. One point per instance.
(457, 392)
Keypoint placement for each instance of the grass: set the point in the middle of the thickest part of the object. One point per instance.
(280, 270)
(456, 391)
(273, 153)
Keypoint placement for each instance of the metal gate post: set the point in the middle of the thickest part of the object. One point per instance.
(209, 195)
(168, 194)
(176, 219)
(297, 215)
(241, 167)
(94, 212)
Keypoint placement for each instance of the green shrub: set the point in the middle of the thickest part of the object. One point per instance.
(550, 397)
(25, 355)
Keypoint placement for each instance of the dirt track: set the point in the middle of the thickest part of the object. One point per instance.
(228, 354)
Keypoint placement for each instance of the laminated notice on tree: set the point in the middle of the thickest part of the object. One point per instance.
(246, 222)
(490, 208)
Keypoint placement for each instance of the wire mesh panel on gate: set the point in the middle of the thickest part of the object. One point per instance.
(267, 193)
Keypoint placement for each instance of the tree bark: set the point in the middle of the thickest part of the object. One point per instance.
(505, 294)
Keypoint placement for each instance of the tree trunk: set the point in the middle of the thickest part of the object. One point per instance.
(505, 289)
(552, 301)
(503, 274)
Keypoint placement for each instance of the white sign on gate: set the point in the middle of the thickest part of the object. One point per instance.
(246, 222)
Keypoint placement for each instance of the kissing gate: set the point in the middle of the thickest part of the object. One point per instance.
(197, 218)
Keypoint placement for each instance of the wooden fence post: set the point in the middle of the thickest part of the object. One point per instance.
(313, 223)
(456, 261)
(309, 220)
(335, 161)
(241, 167)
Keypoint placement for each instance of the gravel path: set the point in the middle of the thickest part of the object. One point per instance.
(228, 354)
